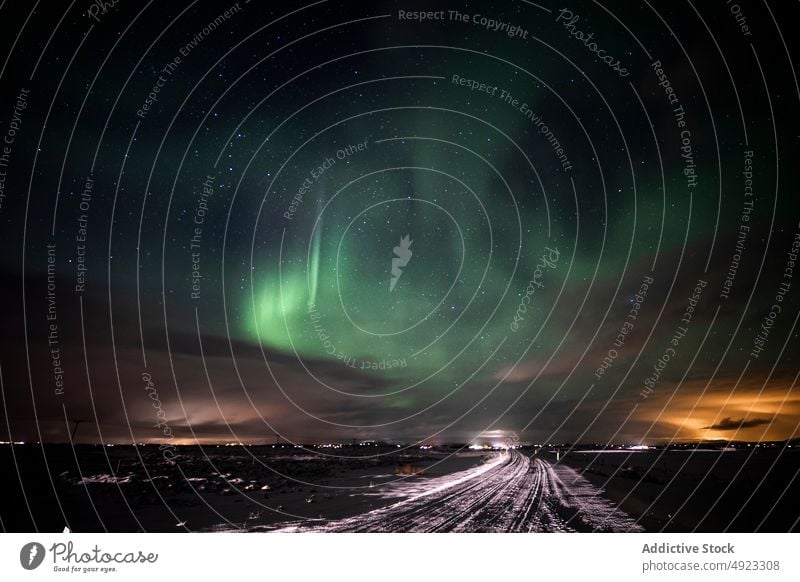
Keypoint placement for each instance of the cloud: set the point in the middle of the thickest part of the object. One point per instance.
(728, 423)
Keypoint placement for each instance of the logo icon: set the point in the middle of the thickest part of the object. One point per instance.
(31, 555)
(403, 255)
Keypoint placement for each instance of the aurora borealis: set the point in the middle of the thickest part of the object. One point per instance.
(401, 222)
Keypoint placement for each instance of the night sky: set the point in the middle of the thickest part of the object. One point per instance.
(557, 223)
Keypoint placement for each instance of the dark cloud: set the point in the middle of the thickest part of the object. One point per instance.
(729, 423)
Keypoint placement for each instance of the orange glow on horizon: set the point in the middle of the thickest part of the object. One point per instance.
(722, 413)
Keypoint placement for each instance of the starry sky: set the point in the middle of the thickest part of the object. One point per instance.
(415, 222)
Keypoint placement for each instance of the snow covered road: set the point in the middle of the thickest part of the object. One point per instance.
(513, 493)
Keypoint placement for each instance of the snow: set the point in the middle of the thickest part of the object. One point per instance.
(511, 493)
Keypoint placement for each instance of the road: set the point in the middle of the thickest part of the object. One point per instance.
(512, 493)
